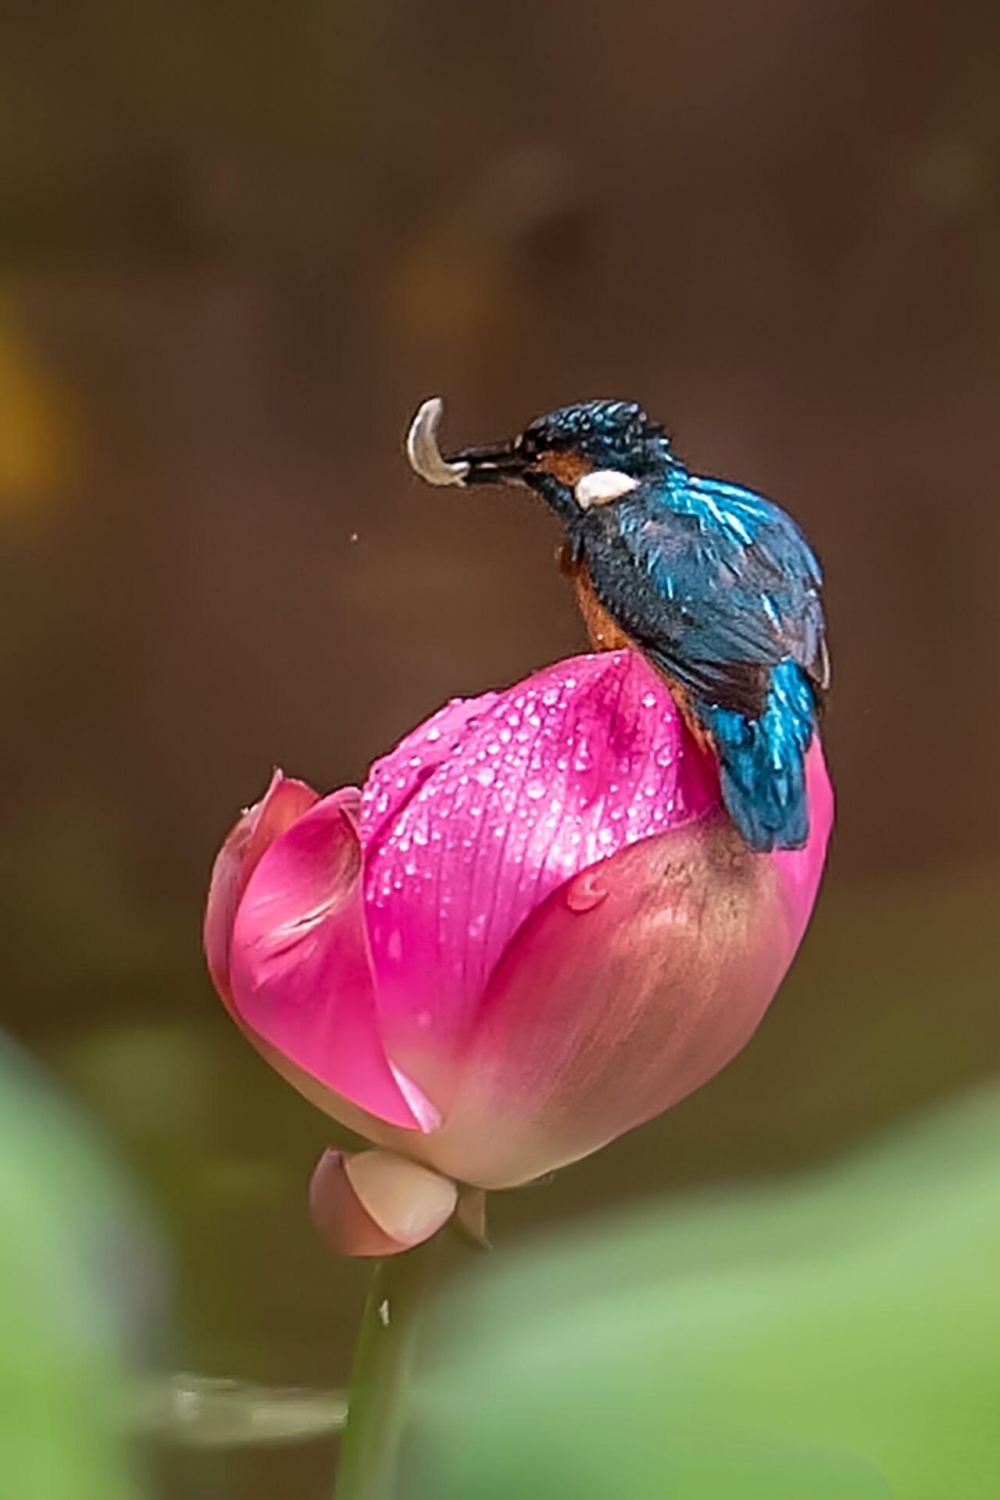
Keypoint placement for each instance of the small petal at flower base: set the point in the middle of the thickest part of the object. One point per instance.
(378, 1203)
(533, 929)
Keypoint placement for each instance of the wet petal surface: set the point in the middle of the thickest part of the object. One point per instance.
(581, 760)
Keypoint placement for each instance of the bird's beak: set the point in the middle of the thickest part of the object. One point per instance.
(490, 465)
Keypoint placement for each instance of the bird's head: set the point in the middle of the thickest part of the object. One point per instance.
(576, 457)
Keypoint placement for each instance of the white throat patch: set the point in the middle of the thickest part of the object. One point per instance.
(601, 486)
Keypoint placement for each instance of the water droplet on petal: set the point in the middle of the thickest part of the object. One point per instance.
(585, 893)
(535, 790)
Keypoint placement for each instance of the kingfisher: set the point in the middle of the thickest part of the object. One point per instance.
(716, 586)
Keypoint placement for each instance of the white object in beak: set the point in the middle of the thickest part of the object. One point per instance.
(422, 447)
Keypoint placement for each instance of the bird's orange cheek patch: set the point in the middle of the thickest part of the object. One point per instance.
(566, 467)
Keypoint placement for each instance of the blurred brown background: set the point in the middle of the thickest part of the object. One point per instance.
(238, 243)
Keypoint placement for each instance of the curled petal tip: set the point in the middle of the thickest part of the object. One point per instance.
(422, 447)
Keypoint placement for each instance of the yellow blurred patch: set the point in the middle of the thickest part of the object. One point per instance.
(37, 427)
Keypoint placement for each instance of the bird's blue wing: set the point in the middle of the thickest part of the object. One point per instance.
(735, 588)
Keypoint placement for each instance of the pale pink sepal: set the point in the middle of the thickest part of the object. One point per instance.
(378, 1203)
(300, 974)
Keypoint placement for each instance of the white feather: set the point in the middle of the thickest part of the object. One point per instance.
(601, 486)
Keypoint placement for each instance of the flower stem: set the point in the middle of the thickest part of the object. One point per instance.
(370, 1446)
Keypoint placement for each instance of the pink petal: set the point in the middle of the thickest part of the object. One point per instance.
(300, 972)
(586, 757)
(628, 989)
(802, 869)
(392, 781)
(284, 801)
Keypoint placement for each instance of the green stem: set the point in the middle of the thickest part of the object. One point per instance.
(369, 1448)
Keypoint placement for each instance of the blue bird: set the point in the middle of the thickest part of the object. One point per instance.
(714, 585)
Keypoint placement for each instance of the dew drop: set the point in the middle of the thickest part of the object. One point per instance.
(535, 790)
(584, 894)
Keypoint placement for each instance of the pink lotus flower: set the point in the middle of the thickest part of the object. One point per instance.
(533, 929)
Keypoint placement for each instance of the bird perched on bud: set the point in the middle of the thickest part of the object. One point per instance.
(716, 586)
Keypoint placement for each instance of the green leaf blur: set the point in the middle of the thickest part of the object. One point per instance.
(73, 1264)
(836, 1339)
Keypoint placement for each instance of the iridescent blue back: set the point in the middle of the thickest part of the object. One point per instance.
(719, 588)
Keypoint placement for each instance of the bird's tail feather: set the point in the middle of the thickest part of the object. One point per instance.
(762, 762)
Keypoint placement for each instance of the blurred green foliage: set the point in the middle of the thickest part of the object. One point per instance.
(835, 1339)
(78, 1285)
